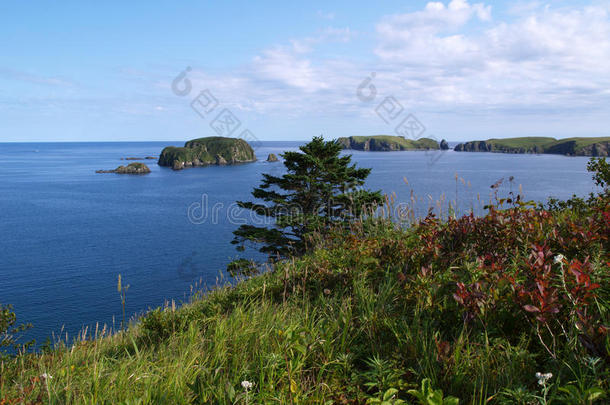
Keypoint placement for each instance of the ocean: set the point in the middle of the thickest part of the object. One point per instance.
(67, 232)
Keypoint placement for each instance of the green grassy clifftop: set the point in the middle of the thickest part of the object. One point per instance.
(385, 143)
(569, 146)
(207, 151)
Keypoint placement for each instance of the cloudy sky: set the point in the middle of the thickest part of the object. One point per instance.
(109, 71)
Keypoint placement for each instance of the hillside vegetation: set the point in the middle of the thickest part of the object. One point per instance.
(568, 146)
(384, 143)
(213, 150)
(473, 307)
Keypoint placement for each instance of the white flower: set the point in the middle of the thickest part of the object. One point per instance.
(559, 259)
(247, 384)
(543, 377)
(46, 376)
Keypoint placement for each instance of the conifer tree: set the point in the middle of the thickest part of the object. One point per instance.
(320, 189)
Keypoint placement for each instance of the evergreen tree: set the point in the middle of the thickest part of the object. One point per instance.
(319, 190)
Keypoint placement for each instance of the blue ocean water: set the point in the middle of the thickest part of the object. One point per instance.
(67, 232)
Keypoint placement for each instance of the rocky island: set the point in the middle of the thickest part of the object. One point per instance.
(569, 146)
(272, 158)
(386, 143)
(132, 168)
(213, 150)
(140, 158)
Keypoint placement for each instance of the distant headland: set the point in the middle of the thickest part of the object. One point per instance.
(387, 143)
(213, 150)
(569, 146)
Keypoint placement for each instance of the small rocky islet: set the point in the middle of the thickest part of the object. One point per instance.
(213, 150)
(132, 168)
(272, 158)
(139, 158)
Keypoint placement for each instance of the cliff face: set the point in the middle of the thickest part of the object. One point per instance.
(207, 151)
(386, 143)
(570, 147)
(474, 146)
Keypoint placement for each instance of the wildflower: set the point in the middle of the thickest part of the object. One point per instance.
(46, 376)
(559, 259)
(247, 384)
(543, 377)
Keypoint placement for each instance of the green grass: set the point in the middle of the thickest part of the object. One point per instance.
(569, 146)
(523, 142)
(366, 312)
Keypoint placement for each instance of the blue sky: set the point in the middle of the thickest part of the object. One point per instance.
(85, 71)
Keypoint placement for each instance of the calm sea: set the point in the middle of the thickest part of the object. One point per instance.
(67, 232)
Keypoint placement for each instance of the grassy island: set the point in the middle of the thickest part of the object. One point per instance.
(385, 143)
(207, 151)
(569, 146)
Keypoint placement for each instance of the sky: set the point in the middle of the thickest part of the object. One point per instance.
(168, 71)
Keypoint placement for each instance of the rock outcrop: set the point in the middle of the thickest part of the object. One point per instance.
(207, 151)
(272, 158)
(386, 143)
(444, 145)
(132, 168)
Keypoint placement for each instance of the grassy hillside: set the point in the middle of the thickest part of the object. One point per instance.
(523, 142)
(568, 146)
(473, 306)
(387, 143)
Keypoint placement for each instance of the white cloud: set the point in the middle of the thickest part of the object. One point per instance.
(445, 57)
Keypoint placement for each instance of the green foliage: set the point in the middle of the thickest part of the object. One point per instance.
(243, 267)
(319, 190)
(429, 396)
(388, 398)
(601, 168)
(572, 394)
(10, 331)
(206, 150)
